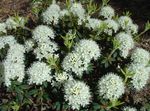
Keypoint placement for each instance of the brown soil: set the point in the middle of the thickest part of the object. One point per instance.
(11, 7)
(140, 14)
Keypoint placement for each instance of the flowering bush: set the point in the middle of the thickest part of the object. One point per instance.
(72, 60)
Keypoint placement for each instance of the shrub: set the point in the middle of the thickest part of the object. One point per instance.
(72, 60)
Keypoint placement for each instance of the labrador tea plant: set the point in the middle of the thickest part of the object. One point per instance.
(72, 60)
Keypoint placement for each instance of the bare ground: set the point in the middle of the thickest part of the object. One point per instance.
(11, 7)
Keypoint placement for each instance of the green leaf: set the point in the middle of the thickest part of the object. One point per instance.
(127, 13)
(33, 92)
(146, 107)
(19, 97)
(90, 68)
(147, 26)
(57, 106)
(46, 96)
(65, 106)
(24, 87)
(4, 107)
(91, 7)
(15, 106)
(105, 2)
(96, 106)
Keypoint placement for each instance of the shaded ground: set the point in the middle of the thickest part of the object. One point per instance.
(140, 10)
(11, 7)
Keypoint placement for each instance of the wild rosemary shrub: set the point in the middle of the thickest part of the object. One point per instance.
(72, 59)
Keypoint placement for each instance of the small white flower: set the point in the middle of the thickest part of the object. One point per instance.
(126, 43)
(140, 77)
(13, 23)
(77, 10)
(16, 53)
(111, 86)
(127, 25)
(73, 62)
(3, 28)
(140, 56)
(132, 28)
(124, 21)
(107, 12)
(148, 68)
(127, 108)
(14, 64)
(78, 61)
(29, 45)
(42, 33)
(64, 12)
(38, 73)
(111, 26)
(93, 23)
(52, 14)
(88, 49)
(61, 79)
(77, 94)
(45, 49)
(10, 40)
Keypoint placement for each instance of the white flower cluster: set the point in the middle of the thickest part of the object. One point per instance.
(140, 56)
(29, 44)
(14, 64)
(111, 26)
(10, 40)
(127, 24)
(42, 33)
(140, 77)
(45, 50)
(13, 23)
(77, 94)
(107, 12)
(64, 12)
(78, 61)
(3, 28)
(127, 108)
(111, 86)
(78, 10)
(38, 73)
(75, 63)
(126, 43)
(46, 47)
(89, 49)
(139, 68)
(93, 23)
(61, 78)
(52, 14)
